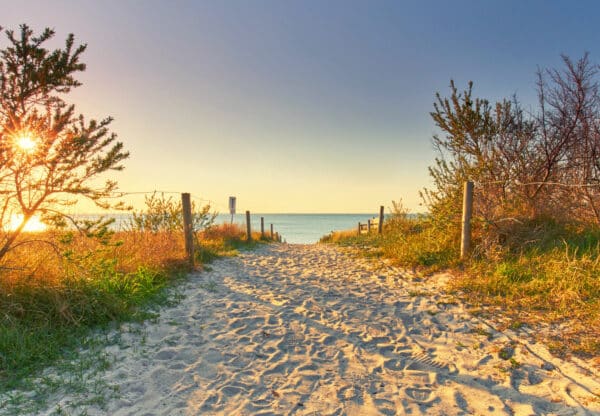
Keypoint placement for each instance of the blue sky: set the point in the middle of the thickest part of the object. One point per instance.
(298, 106)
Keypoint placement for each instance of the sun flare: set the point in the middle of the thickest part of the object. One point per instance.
(25, 143)
(33, 225)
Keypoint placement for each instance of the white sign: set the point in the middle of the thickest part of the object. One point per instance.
(232, 205)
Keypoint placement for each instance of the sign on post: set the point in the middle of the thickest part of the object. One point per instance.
(232, 201)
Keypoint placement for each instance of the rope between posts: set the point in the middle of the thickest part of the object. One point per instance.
(118, 194)
(519, 183)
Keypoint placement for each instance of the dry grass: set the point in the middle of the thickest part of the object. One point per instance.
(232, 234)
(558, 286)
(49, 257)
(546, 275)
(410, 242)
(54, 289)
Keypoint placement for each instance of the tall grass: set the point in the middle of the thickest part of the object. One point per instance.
(226, 239)
(408, 241)
(52, 292)
(553, 277)
(543, 272)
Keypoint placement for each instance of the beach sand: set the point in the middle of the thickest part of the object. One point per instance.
(316, 330)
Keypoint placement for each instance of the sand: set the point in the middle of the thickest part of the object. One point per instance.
(316, 330)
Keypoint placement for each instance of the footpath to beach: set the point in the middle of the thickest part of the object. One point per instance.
(315, 330)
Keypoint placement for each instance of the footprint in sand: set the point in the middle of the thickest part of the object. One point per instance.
(312, 331)
(422, 396)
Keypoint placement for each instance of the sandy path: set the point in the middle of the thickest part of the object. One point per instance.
(312, 330)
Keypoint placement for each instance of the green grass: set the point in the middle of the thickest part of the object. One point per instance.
(542, 272)
(39, 323)
(410, 242)
(47, 314)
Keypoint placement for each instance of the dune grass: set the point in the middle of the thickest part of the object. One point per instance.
(546, 274)
(53, 292)
(554, 279)
(408, 242)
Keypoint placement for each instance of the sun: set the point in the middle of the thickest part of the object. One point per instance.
(25, 143)
(34, 225)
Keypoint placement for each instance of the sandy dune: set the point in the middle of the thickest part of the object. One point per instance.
(312, 330)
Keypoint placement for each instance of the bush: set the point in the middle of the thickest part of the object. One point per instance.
(163, 214)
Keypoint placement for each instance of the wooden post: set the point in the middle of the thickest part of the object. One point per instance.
(272, 231)
(188, 231)
(359, 228)
(248, 227)
(368, 226)
(465, 241)
(380, 225)
(262, 227)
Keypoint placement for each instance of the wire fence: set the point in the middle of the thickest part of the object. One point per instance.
(502, 205)
(136, 205)
(152, 211)
(519, 183)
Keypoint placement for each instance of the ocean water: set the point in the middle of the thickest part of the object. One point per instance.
(300, 228)
(293, 228)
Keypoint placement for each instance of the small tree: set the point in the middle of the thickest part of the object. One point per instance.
(569, 121)
(164, 214)
(527, 167)
(49, 155)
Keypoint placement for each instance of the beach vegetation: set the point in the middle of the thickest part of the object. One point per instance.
(163, 213)
(51, 300)
(535, 226)
(69, 276)
(50, 156)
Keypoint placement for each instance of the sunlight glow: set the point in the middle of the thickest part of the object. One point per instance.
(25, 143)
(34, 224)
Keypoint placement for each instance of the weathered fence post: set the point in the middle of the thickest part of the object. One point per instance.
(262, 227)
(359, 228)
(271, 231)
(380, 224)
(248, 227)
(368, 226)
(465, 241)
(188, 231)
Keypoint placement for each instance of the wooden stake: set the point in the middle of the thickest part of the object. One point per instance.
(248, 227)
(380, 224)
(262, 227)
(465, 241)
(368, 226)
(188, 231)
(271, 231)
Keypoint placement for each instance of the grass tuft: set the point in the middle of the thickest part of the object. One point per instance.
(53, 295)
(544, 272)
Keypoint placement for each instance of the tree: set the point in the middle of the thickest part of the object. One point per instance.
(49, 155)
(482, 142)
(569, 121)
(527, 167)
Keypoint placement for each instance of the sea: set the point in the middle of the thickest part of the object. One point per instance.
(293, 228)
(300, 228)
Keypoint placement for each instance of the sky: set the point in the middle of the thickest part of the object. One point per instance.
(298, 106)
